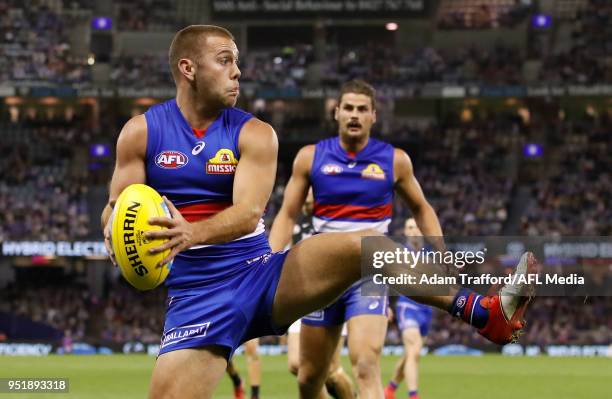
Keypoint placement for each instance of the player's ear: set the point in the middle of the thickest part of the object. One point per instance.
(187, 68)
(373, 116)
(336, 112)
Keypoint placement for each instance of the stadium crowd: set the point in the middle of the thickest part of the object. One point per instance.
(385, 66)
(479, 14)
(43, 191)
(66, 308)
(35, 50)
(35, 47)
(146, 15)
(575, 198)
(290, 67)
(587, 61)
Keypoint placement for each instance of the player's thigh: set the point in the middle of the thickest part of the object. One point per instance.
(366, 335)
(316, 272)
(413, 341)
(317, 347)
(188, 373)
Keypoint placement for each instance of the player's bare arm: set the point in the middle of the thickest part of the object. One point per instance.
(129, 168)
(410, 190)
(293, 199)
(253, 182)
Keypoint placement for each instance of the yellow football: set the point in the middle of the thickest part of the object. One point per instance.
(136, 204)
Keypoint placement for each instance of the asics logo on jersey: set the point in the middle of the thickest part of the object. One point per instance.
(198, 148)
(223, 163)
(171, 159)
(331, 169)
(373, 305)
(352, 165)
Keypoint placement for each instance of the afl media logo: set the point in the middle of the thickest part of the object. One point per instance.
(331, 169)
(171, 160)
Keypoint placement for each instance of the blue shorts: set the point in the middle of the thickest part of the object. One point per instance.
(413, 316)
(227, 312)
(349, 305)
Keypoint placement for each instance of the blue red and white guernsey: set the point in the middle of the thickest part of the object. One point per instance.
(195, 170)
(352, 191)
(218, 294)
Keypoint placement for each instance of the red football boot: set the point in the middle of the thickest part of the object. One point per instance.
(389, 392)
(239, 392)
(507, 307)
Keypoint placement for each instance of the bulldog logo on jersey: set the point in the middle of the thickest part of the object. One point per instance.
(223, 163)
(373, 171)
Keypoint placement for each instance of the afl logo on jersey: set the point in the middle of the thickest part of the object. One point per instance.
(373, 171)
(331, 169)
(171, 160)
(223, 163)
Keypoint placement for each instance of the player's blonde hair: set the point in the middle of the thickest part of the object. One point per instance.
(188, 42)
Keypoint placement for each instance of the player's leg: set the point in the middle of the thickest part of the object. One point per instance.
(253, 366)
(317, 347)
(172, 379)
(232, 372)
(413, 343)
(338, 383)
(396, 379)
(293, 347)
(366, 337)
(319, 268)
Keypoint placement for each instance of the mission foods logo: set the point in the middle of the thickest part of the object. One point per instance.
(223, 163)
(171, 160)
(373, 171)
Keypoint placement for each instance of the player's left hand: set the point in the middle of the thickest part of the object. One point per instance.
(179, 233)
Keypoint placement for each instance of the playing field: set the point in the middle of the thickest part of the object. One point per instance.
(127, 376)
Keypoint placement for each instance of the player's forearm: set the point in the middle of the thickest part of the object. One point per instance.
(428, 223)
(282, 230)
(230, 224)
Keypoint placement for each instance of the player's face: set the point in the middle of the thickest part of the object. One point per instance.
(217, 73)
(355, 115)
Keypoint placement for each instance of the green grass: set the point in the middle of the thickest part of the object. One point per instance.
(492, 376)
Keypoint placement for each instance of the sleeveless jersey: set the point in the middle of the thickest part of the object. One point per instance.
(195, 171)
(352, 192)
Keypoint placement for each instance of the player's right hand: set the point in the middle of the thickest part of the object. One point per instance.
(107, 242)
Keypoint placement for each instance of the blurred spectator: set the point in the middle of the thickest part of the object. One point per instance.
(588, 60)
(34, 46)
